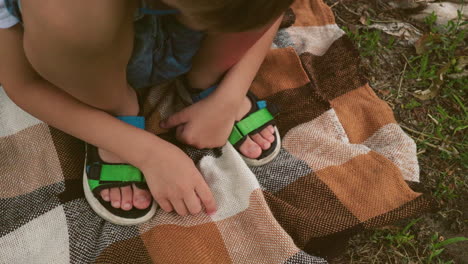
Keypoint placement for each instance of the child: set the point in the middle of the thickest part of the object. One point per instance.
(86, 58)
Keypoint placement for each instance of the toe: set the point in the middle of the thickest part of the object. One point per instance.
(263, 143)
(127, 197)
(141, 198)
(105, 195)
(115, 197)
(250, 149)
(267, 135)
(271, 128)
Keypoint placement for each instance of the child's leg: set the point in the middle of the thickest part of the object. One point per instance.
(217, 54)
(83, 47)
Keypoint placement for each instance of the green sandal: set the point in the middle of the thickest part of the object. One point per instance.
(259, 117)
(99, 175)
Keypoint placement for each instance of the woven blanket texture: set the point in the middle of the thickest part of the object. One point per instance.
(343, 169)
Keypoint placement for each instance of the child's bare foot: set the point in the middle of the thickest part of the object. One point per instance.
(129, 196)
(124, 197)
(253, 146)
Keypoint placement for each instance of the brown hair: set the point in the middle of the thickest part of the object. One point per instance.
(233, 15)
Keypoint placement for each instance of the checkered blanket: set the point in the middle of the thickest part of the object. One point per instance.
(343, 168)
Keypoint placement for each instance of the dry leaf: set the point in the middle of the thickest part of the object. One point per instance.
(404, 31)
(436, 85)
(405, 4)
(363, 20)
(421, 44)
(384, 92)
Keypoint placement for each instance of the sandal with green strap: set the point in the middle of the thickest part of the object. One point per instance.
(260, 116)
(99, 175)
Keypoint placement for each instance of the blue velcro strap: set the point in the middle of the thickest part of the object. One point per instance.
(137, 121)
(262, 104)
(153, 12)
(204, 94)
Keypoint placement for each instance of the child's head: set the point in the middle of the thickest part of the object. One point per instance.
(231, 15)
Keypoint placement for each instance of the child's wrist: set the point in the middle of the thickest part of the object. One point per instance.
(228, 105)
(153, 149)
(148, 148)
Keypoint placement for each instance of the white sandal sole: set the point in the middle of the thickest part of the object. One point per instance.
(108, 216)
(267, 159)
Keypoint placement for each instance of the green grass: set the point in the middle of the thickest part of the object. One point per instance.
(402, 245)
(428, 78)
(430, 70)
(437, 54)
(369, 41)
(428, 92)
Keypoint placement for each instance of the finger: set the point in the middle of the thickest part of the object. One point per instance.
(165, 205)
(179, 132)
(206, 197)
(180, 207)
(193, 203)
(174, 120)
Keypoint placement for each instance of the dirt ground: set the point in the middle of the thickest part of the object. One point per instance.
(420, 69)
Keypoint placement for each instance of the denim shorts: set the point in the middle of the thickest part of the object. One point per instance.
(163, 48)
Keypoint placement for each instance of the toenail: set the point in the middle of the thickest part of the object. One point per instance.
(141, 199)
(266, 145)
(253, 149)
(127, 206)
(116, 204)
(106, 198)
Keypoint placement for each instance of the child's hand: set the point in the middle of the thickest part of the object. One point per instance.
(175, 182)
(205, 124)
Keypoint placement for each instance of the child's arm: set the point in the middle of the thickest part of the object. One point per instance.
(171, 175)
(208, 123)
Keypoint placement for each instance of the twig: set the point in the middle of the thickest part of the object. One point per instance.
(419, 133)
(436, 147)
(401, 80)
(421, 152)
(349, 10)
(407, 61)
(344, 22)
(335, 4)
(384, 21)
(430, 137)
